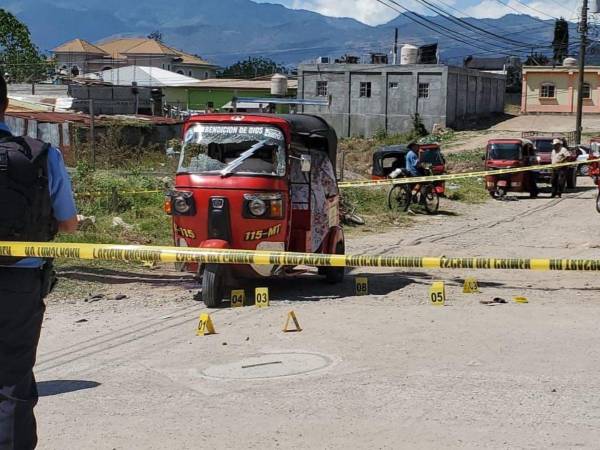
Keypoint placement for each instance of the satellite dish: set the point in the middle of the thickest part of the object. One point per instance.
(594, 6)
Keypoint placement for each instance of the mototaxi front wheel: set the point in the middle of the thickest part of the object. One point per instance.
(213, 285)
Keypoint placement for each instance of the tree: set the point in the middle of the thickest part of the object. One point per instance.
(560, 44)
(19, 57)
(252, 68)
(537, 59)
(156, 36)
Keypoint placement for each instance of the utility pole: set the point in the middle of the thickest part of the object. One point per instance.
(395, 55)
(583, 29)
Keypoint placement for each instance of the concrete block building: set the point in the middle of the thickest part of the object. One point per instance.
(368, 98)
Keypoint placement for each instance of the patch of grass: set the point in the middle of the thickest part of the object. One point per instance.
(371, 205)
(105, 196)
(467, 161)
(467, 190)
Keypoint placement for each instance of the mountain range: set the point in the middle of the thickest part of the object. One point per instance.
(224, 31)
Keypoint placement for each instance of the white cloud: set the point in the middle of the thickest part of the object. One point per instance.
(367, 11)
(543, 9)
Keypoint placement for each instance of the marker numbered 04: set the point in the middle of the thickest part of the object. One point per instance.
(238, 298)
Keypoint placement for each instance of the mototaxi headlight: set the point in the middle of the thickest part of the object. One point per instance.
(257, 207)
(181, 205)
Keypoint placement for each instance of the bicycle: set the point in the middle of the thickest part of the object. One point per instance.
(401, 197)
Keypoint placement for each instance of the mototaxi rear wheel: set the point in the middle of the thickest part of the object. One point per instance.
(332, 274)
(431, 199)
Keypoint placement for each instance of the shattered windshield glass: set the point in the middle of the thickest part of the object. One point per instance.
(230, 149)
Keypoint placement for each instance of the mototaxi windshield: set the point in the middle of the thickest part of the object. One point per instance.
(506, 152)
(233, 149)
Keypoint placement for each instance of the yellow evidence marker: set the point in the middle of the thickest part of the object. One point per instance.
(471, 286)
(238, 297)
(361, 286)
(205, 326)
(437, 293)
(261, 297)
(291, 315)
(521, 300)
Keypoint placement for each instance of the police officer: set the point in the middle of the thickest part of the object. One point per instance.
(36, 201)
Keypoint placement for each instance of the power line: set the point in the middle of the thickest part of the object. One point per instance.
(452, 34)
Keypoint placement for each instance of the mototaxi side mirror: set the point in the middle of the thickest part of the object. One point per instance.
(305, 163)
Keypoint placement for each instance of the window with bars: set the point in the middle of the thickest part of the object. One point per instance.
(365, 89)
(423, 90)
(394, 85)
(587, 90)
(321, 88)
(548, 90)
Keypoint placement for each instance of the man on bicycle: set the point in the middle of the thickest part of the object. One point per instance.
(413, 166)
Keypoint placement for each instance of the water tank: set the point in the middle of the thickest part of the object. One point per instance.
(570, 62)
(279, 85)
(409, 54)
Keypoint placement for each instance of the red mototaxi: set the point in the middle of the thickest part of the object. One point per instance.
(387, 159)
(256, 182)
(508, 154)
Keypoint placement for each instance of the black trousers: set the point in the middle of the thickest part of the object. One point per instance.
(558, 181)
(21, 314)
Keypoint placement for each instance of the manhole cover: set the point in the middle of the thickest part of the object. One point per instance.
(272, 365)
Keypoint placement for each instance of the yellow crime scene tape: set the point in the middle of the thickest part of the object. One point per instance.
(135, 253)
(456, 176)
(89, 194)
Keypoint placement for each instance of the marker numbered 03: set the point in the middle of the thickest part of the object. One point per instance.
(261, 297)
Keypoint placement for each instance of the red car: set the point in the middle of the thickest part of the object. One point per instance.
(256, 182)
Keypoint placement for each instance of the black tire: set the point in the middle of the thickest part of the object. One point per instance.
(213, 285)
(497, 193)
(572, 179)
(598, 202)
(335, 275)
(431, 200)
(399, 198)
(584, 170)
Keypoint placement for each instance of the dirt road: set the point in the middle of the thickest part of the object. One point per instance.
(387, 370)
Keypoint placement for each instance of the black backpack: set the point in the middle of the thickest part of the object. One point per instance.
(25, 204)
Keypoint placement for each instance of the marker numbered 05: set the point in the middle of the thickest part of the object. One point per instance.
(437, 293)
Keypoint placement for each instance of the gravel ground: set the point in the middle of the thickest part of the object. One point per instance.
(386, 370)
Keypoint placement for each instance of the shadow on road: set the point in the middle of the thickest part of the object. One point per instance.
(57, 387)
(312, 288)
(100, 275)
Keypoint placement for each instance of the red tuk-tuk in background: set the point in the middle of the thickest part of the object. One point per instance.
(256, 182)
(389, 158)
(506, 154)
(594, 167)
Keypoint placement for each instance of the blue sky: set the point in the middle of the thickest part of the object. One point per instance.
(371, 12)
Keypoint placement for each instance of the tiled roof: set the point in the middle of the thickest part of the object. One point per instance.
(79, 46)
(150, 47)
